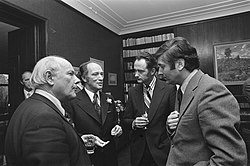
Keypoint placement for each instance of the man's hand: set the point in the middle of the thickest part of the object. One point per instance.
(98, 141)
(173, 120)
(116, 131)
(140, 122)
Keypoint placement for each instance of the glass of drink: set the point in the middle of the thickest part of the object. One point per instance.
(90, 144)
(145, 115)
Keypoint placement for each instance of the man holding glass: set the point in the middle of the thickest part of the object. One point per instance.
(147, 109)
(38, 133)
(94, 115)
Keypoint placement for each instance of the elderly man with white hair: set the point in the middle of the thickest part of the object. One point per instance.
(38, 132)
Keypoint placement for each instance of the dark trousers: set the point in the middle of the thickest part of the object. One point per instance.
(147, 158)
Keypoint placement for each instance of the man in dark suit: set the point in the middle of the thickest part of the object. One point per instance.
(147, 109)
(203, 126)
(38, 133)
(93, 112)
(27, 87)
(23, 92)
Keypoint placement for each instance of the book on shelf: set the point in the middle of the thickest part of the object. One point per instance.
(128, 65)
(148, 39)
(134, 53)
(130, 76)
(129, 85)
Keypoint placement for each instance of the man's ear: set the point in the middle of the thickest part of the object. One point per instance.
(49, 77)
(21, 82)
(180, 64)
(153, 71)
(84, 78)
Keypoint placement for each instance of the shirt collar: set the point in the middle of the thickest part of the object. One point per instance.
(91, 94)
(26, 92)
(52, 98)
(186, 81)
(151, 85)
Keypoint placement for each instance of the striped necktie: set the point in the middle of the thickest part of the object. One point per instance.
(147, 97)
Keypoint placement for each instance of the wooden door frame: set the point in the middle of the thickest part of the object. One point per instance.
(19, 17)
(36, 46)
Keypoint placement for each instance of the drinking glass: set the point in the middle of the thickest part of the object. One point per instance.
(145, 115)
(90, 144)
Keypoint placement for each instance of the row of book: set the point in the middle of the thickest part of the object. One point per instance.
(244, 105)
(144, 40)
(129, 77)
(127, 86)
(133, 53)
(128, 65)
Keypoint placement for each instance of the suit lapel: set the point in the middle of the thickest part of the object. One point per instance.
(87, 105)
(139, 99)
(104, 106)
(190, 92)
(156, 99)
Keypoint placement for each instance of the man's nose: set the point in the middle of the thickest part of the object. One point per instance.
(100, 76)
(159, 71)
(136, 73)
(77, 80)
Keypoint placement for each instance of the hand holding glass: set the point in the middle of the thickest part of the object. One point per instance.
(90, 143)
(145, 115)
(142, 121)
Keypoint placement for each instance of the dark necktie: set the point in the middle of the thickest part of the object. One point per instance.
(96, 105)
(179, 97)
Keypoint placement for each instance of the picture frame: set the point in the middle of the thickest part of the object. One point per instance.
(232, 62)
(112, 79)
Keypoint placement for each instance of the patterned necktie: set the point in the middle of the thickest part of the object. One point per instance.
(147, 97)
(96, 105)
(67, 116)
(179, 97)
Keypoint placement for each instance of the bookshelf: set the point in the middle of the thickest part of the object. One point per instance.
(135, 43)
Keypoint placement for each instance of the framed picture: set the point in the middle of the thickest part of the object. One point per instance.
(112, 79)
(232, 62)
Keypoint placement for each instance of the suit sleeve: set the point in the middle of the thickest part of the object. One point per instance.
(218, 113)
(129, 114)
(44, 142)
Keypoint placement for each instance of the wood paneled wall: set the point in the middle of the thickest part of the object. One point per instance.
(203, 35)
(76, 37)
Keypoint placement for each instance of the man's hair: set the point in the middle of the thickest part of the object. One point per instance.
(149, 58)
(50, 63)
(83, 70)
(21, 76)
(178, 48)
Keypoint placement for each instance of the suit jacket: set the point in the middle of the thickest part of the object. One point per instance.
(39, 135)
(87, 121)
(155, 136)
(207, 130)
